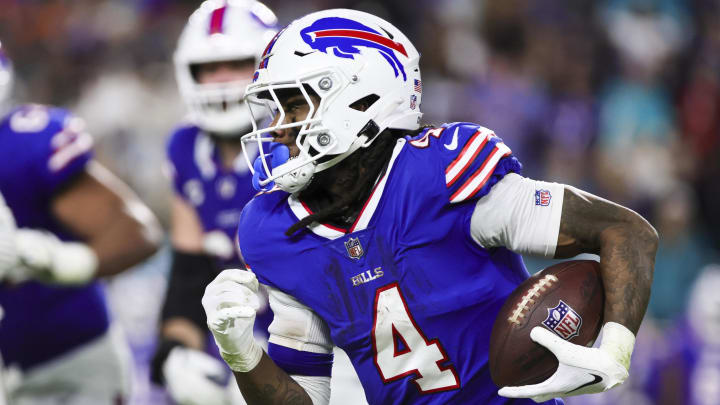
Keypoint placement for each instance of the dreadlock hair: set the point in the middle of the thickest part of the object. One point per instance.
(357, 174)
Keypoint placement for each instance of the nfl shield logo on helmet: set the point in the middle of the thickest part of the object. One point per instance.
(563, 321)
(354, 248)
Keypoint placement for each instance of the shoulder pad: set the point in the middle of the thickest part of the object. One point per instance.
(473, 158)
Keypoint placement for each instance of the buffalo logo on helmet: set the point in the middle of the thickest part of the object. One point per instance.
(563, 321)
(344, 36)
(354, 248)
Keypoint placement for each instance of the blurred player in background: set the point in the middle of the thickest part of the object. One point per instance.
(69, 221)
(214, 61)
(400, 243)
(689, 366)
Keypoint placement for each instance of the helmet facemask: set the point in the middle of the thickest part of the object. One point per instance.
(319, 148)
(217, 107)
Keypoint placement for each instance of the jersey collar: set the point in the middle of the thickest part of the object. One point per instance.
(332, 232)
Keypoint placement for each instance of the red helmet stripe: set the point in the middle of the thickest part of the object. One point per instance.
(364, 35)
(216, 20)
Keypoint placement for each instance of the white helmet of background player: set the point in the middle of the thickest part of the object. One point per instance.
(343, 56)
(221, 31)
(6, 77)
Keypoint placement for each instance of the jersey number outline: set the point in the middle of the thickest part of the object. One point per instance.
(34, 118)
(424, 142)
(394, 323)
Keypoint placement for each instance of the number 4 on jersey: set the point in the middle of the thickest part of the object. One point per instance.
(401, 349)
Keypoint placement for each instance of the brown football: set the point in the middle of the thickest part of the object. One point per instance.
(566, 298)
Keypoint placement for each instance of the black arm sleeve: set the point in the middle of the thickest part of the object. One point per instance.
(190, 274)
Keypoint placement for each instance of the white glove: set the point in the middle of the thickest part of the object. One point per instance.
(46, 258)
(581, 370)
(230, 303)
(195, 378)
(8, 252)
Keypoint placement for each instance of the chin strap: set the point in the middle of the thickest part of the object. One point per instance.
(300, 176)
(357, 144)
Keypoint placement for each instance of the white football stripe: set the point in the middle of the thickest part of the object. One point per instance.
(319, 229)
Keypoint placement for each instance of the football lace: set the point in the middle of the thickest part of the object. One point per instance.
(529, 298)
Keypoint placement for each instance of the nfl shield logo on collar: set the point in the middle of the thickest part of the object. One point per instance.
(354, 248)
(563, 320)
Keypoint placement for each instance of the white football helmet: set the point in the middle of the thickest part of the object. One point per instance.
(344, 56)
(221, 31)
(6, 77)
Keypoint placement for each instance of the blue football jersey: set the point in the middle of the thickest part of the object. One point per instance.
(405, 291)
(41, 150)
(217, 195)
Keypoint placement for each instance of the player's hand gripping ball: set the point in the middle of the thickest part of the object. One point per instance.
(567, 299)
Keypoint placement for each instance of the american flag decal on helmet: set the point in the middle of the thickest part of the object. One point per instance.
(418, 86)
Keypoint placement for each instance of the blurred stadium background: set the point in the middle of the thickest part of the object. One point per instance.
(618, 97)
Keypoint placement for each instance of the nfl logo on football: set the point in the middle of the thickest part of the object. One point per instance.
(563, 320)
(354, 248)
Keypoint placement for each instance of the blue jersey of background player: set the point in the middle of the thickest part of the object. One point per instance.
(214, 61)
(69, 221)
(399, 249)
(216, 192)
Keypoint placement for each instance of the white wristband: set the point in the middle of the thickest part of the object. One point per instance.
(618, 341)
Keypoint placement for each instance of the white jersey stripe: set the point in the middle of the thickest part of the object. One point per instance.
(301, 212)
(465, 157)
(480, 177)
(202, 152)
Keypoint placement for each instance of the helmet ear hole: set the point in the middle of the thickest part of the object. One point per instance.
(364, 103)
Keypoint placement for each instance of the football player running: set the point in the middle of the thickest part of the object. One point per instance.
(67, 221)
(214, 62)
(399, 243)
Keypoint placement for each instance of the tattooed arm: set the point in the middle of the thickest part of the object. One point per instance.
(583, 223)
(269, 384)
(626, 244)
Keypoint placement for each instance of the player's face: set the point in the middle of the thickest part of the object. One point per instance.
(296, 109)
(224, 72)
